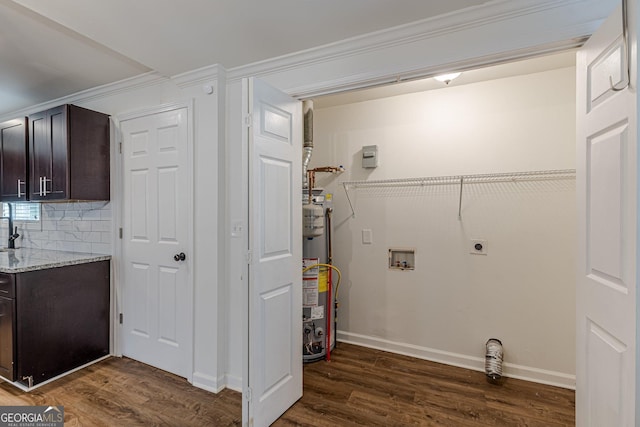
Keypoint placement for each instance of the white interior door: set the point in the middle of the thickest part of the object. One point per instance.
(274, 380)
(157, 290)
(607, 217)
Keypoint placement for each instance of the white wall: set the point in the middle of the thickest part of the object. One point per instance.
(522, 291)
(237, 205)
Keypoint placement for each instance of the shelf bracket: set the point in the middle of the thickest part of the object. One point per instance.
(460, 199)
(346, 191)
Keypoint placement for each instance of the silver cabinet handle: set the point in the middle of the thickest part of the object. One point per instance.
(20, 182)
(43, 185)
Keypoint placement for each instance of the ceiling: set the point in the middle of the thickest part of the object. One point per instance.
(51, 49)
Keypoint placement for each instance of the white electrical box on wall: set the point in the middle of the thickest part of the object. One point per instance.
(370, 156)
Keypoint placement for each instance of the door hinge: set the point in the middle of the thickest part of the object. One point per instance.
(249, 257)
(120, 147)
(120, 232)
(248, 394)
(248, 119)
(120, 316)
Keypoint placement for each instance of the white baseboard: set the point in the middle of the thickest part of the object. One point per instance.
(208, 382)
(510, 370)
(216, 385)
(234, 383)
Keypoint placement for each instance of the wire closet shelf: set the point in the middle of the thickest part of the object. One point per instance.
(461, 180)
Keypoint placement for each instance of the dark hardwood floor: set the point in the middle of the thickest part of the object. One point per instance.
(365, 387)
(122, 392)
(359, 387)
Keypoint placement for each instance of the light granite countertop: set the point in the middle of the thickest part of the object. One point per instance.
(24, 259)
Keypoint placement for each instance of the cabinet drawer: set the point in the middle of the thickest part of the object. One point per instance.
(7, 285)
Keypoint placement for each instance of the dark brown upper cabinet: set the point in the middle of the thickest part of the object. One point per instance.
(68, 154)
(13, 161)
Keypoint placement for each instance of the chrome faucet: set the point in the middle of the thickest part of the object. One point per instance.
(13, 232)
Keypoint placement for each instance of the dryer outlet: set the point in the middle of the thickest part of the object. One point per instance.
(478, 247)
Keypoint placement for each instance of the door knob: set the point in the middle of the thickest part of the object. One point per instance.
(180, 257)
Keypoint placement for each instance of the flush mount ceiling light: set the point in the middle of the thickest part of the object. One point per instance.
(446, 78)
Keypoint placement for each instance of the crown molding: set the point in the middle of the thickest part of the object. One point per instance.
(152, 78)
(199, 76)
(384, 76)
(489, 13)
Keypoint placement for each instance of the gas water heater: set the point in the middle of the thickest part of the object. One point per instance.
(318, 278)
(319, 301)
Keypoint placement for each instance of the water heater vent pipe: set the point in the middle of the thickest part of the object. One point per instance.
(307, 110)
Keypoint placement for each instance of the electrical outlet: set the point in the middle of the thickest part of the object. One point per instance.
(478, 247)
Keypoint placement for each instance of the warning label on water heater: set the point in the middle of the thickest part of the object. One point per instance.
(317, 312)
(309, 292)
(310, 282)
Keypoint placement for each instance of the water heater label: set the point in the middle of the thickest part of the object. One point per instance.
(323, 279)
(317, 312)
(309, 292)
(308, 262)
(310, 283)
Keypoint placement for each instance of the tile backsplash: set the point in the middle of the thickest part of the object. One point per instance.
(71, 226)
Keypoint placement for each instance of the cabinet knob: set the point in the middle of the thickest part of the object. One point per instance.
(180, 257)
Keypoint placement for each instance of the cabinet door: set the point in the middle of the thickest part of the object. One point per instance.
(58, 186)
(39, 153)
(7, 328)
(48, 154)
(69, 150)
(13, 160)
(63, 319)
(88, 154)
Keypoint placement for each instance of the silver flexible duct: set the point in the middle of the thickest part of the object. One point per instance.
(307, 110)
(493, 359)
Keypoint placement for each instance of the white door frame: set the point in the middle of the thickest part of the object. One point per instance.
(117, 192)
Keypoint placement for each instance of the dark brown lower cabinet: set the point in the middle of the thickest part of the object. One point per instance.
(60, 321)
